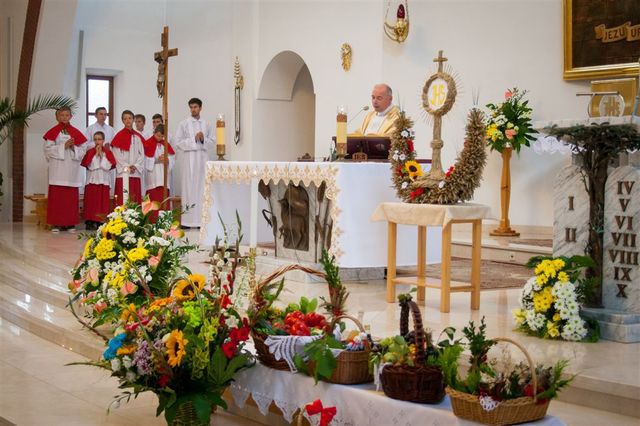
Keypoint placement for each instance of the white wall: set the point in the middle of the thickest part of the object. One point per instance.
(491, 45)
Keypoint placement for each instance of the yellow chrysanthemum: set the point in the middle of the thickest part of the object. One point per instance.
(552, 329)
(176, 347)
(542, 279)
(563, 277)
(414, 169)
(104, 249)
(126, 350)
(556, 317)
(138, 253)
(87, 248)
(114, 227)
(543, 300)
(519, 315)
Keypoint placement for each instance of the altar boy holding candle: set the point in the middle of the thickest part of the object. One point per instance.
(193, 137)
(127, 147)
(155, 159)
(64, 148)
(99, 161)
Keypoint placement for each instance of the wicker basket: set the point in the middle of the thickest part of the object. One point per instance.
(262, 350)
(420, 383)
(508, 412)
(352, 367)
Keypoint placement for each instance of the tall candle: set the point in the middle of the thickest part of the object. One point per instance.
(125, 186)
(220, 129)
(341, 128)
(253, 222)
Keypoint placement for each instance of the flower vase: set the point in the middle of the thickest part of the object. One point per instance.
(504, 229)
(186, 416)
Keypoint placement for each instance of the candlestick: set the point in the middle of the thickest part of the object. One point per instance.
(220, 134)
(125, 186)
(253, 230)
(341, 132)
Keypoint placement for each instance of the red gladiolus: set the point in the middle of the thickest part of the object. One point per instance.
(410, 145)
(448, 173)
(229, 349)
(239, 334)
(225, 301)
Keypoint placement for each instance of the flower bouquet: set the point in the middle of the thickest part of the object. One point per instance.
(183, 341)
(509, 122)
(498, 393)
(127, 260)
(405, 365)
(550, 301)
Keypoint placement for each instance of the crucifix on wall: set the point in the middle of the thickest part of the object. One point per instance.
(162, 84)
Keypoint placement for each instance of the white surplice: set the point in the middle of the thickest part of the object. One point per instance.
(192, 158)
(99, 170)
(133, 157)
(154, 170)
(108, 131)
(64, 164)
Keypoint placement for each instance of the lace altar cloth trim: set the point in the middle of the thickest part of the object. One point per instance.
(276, 172)
(356, 405)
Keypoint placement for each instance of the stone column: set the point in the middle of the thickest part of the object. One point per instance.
(571, 213)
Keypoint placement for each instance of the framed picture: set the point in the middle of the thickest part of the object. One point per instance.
(601, 38)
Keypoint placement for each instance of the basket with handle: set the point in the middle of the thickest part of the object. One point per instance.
(418, 383)
(352, 367)
(507, 412)
(262, 350)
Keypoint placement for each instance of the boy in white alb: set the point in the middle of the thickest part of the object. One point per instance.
(64, 148)
(155, 158)
(140, 120)
(99, 162)
(100, 126)
(192, 138)
(127, 147)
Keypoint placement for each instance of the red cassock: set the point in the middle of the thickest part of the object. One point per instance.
(156, 193)
(63, 199)
(122, 141)
(97, 201)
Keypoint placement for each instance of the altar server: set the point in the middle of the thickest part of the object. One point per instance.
(100, 126)
(193, 137)
(155, 158)
(127, 147)
(64, 148)
(99, 162)
(140, 120)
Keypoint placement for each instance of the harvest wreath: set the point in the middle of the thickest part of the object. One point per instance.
(460, 180)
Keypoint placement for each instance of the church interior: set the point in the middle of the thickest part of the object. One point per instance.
(502, 136)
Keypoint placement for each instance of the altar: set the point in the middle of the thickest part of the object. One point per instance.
(341, 197)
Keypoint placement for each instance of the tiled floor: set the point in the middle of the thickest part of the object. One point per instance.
(36, 387)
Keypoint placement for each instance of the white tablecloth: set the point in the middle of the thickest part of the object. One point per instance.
(356, 405)
(355, 190)
(429, 214)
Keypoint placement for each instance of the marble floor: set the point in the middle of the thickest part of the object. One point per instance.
(33, 375)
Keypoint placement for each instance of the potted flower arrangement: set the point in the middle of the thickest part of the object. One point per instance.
(508, 127)
(494, 392)
(128, 260)
(550, 300)
(182, 336)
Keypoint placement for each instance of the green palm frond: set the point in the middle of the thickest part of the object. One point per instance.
(9, 117)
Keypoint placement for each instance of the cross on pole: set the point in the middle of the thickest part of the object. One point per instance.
(162, 58)
(440, 60)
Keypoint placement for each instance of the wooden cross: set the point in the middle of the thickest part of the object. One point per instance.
(162, 58)
(440, 60)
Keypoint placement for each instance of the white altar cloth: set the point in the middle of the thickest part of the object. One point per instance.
(356, 405)
(355, 190)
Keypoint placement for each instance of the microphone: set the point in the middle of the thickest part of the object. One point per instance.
(364, 108)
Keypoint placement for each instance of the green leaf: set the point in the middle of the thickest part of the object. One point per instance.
(218, 366)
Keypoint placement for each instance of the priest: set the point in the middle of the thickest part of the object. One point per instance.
(128, 148)
(64, 148)
(193, 137)
(380, 121)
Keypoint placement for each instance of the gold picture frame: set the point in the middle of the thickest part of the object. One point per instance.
(573, 71)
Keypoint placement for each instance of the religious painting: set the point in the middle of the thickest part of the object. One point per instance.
(601, 38)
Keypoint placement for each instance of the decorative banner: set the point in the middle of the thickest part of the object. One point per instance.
(621, 32)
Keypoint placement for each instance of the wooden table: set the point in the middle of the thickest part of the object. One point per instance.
(424, 215)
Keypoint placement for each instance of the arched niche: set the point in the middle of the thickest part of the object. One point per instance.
(284, 118)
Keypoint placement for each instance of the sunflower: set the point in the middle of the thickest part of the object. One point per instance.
(175, 347)
(184, 288)
(413, 168)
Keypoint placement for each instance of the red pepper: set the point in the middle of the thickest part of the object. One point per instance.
(293, 317)
(299, 329)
